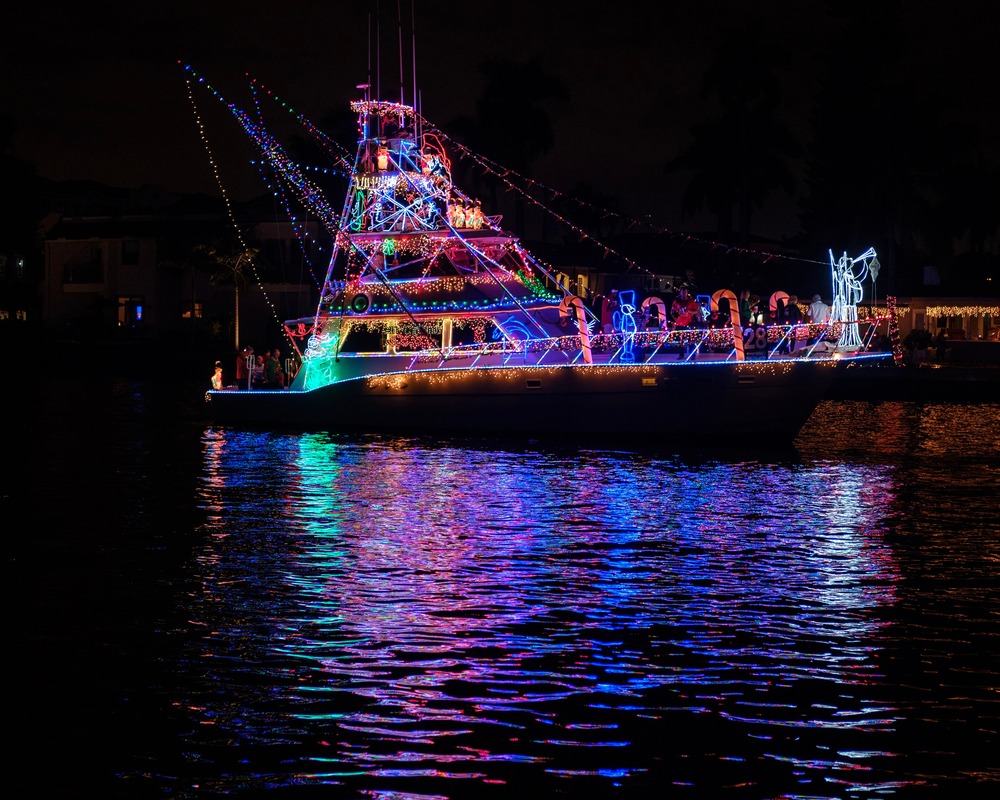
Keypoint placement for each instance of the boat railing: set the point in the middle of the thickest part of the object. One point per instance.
(652, 346)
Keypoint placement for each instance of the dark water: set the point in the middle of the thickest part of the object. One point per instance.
(203, 612)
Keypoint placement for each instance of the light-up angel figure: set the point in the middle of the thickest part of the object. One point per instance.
(848, 289)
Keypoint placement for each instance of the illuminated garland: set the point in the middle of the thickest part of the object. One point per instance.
(384, 299)
(644, 340)
(963, 311)
(415, 191)
(504, 175)
(411, 341)
(417, 245)
(384, 326)
(401, 380)
(381, 108)
(534, 284)
(228, 201)
(882, 313)
(894, 339)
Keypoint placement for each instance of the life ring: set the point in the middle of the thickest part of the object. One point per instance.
(571, 301)
(360, 303)
(661, 309)
(734, 317)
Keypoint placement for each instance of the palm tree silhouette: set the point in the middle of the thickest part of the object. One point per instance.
(737, 158)
(511, 125)
(227, 266)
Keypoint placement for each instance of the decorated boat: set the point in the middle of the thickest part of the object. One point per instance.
(433, 319)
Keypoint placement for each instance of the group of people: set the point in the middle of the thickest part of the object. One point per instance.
(686, 311)
(787, 312)
(254, 371)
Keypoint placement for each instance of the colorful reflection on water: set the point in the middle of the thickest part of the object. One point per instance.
(201, 612)
(411, 619)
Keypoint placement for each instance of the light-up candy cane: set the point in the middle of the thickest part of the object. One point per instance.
(571, 301)
(734, 316)
(661, 310)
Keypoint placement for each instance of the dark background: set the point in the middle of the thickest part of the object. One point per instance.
(838, 125)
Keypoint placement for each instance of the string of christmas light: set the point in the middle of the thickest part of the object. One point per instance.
(308, 193)
(882, 312)
(502, 172)
(344, 157)
(302, 235)
(199, 123)
(386, 109)
(963, 311)
(420, 245)
(581, 233)
(399, 381)
(277, 187)
(647, 342)
(894, 339)
(376, 252)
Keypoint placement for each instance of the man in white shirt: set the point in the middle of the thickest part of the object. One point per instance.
(819, 312)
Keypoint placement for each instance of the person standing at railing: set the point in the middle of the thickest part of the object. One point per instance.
(244, 365)
(609, 305)
(274, 375)
(258, 373)
(744, 307)
(792, 319)
(680, 313)
(818, 314)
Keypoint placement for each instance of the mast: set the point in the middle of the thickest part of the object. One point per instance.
(378, 54)
(399, 37)
(413, 63)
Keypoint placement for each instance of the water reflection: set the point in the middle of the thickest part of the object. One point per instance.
(418, 618)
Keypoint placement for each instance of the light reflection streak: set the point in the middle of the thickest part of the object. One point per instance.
(398, 592)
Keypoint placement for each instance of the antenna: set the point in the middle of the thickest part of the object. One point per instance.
(378, 54)
(413, 49)
(399, 36)
(368, 85)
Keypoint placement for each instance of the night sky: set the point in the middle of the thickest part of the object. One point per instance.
(95, 90)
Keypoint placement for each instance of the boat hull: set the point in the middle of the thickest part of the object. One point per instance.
(767, 401)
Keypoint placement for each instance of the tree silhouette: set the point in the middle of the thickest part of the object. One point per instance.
(974, 203)
(880, 156)
(511, 125)
(226, 266)
(739, 157)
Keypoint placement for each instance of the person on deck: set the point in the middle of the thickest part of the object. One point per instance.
(217, 377)
(817, 314)
(792, 317)
(258, 374)
(244, 364)
(744, 307)
(678, 309)
(274, 376)
(609, 305)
